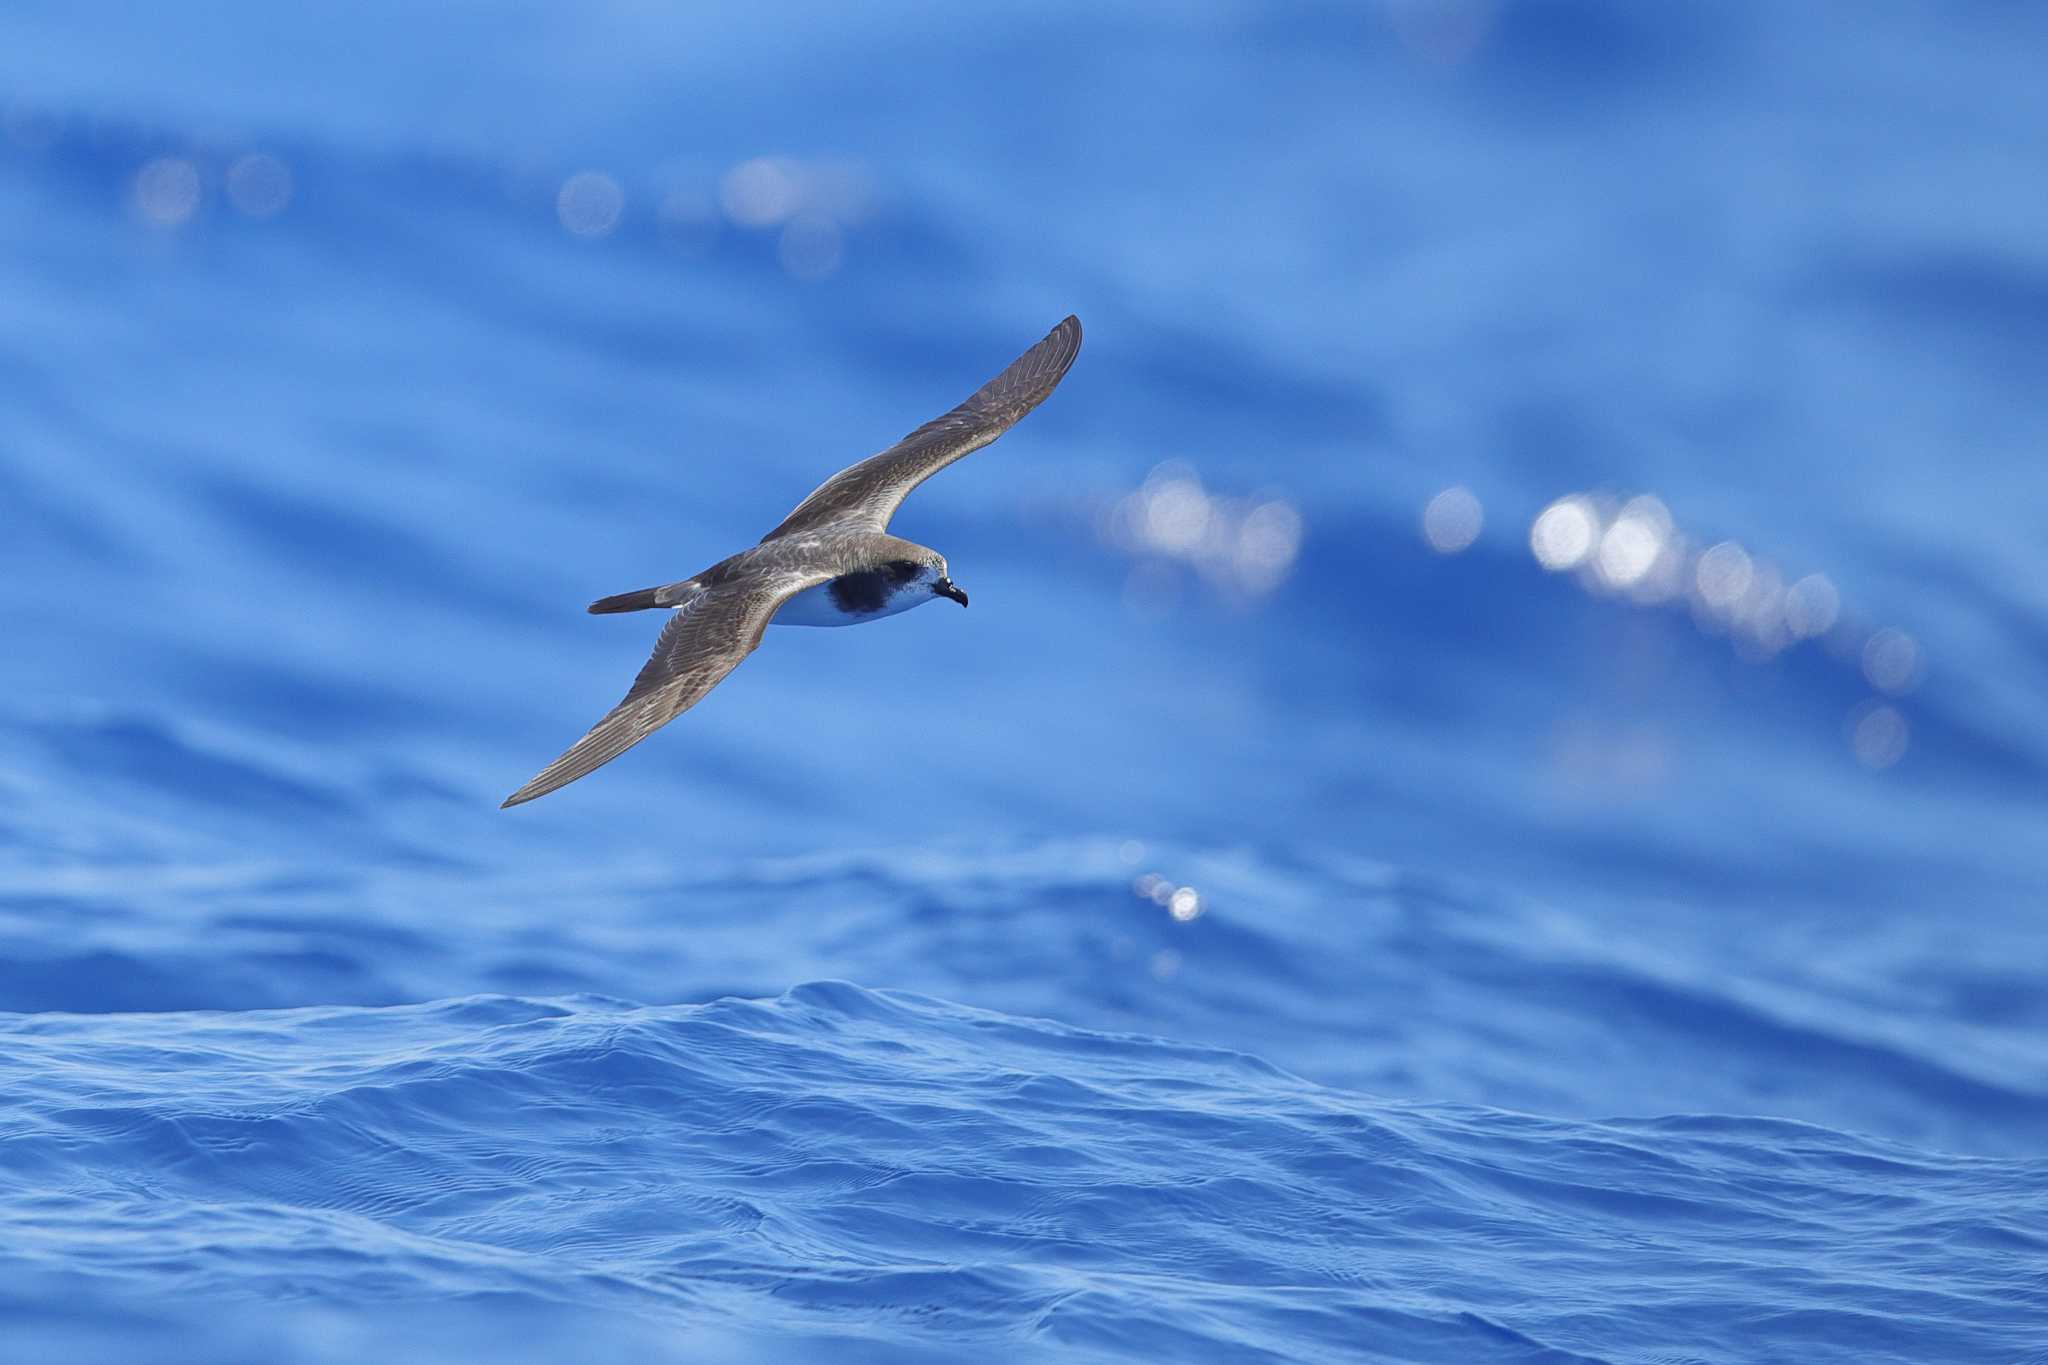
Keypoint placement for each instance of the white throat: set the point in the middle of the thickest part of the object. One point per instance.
(855, 598)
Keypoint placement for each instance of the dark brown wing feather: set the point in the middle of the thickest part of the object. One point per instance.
(700, 644)
(867, 494)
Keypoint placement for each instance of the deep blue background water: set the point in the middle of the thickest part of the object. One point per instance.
(1570, 962)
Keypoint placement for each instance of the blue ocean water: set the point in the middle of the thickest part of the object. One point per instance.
(1489, 804)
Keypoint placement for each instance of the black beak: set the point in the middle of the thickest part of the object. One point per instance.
(946, 587)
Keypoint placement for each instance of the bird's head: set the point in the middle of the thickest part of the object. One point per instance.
(920, 578)
(942, 586)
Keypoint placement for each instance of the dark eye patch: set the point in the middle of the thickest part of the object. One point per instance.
(860, 594)
(901, 570)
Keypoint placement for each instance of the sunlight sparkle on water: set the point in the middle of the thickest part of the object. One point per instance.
(590, 204)
(1636, 551)
(760, 193)
(165, 192)
(1452, 519)
(1176, 514)
(1242, 547)
(812, 203)
(1563, 534)
(1878, 734)
(1891, 661)
(1632, 546)
(1722, 577)
(1184, 903)
(1267, 542)
(1811, 606)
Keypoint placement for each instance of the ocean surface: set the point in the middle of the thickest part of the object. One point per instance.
(1491, 804)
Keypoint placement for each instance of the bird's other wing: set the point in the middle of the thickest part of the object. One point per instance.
(700, 644)
(867, 494)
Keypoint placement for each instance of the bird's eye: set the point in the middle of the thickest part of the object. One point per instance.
(902, 570)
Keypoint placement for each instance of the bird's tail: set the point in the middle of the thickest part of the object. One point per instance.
(641, 599)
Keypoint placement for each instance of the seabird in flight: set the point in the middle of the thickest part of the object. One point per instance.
(831, 562)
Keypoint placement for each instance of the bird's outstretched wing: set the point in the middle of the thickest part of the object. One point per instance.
(701, 643)
(867, 494)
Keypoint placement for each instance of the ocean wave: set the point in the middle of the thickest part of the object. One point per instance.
(1349, 973)
(910, 1175)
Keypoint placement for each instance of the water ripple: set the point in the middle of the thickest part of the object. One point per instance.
(951, 1175)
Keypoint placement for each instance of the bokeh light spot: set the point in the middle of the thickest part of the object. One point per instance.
(1184, 904)
(165, 192)
(1878, 735)
(1629, 548)
(1267, 543)
(1811, 606)
(760, 193)
(590, 204)
(1243, 548)
(1176, 514)
(1563, 534)
(1892, 661)
(1451, 520)
(1723, 576)
(1627, 551)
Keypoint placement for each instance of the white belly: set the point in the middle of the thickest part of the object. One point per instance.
(815, 607)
